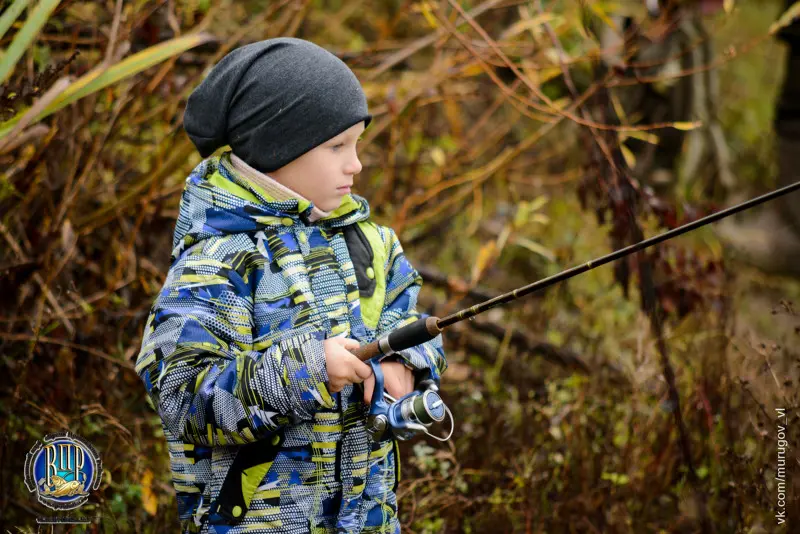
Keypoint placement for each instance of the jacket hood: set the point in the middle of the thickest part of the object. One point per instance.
(217, 201)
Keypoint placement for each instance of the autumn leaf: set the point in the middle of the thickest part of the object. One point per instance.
(630, 158)
(687, 125)
(149, 499)
(438, 156)
(485, 256)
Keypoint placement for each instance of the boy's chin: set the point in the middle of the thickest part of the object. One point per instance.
(334, 203)
(325, 206)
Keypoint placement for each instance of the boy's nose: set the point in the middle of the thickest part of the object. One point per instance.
(354, 166)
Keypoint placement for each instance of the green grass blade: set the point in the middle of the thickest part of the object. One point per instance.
(25, 37)
(11, 14)
(100, 78)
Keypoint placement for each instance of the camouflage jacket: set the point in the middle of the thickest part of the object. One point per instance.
(233, 355)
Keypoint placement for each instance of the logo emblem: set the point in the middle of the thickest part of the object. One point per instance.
(63, 469)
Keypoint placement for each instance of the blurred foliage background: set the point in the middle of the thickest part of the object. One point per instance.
(565, 402)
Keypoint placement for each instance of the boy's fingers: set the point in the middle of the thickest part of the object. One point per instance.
(351, 344)
(399, 380)
(355, 374)
(346, 342)
(396, 382)
(389, 381)
(361, 369)
(369, 387)
(354, 378)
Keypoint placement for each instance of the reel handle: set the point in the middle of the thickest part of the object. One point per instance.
(377, 420)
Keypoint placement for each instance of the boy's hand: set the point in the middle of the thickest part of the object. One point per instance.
(342, 365)
(398, 380)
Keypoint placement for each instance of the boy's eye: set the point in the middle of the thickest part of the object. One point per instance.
(338, 145)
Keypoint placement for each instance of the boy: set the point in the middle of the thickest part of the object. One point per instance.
(246, 350)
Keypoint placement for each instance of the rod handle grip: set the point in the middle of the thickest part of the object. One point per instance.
(408, 336)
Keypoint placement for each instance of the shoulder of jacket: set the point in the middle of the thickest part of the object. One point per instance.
(385, 233)
(230, 253)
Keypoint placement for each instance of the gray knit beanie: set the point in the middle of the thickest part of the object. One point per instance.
(273, 101)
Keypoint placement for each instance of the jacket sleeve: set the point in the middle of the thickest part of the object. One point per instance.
(403, 284)
(199, 367)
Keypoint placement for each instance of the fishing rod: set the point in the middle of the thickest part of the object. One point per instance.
(426, 329)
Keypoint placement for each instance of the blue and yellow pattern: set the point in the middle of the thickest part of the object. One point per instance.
(233, 352)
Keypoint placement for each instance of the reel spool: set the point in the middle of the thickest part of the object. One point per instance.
(405, 417)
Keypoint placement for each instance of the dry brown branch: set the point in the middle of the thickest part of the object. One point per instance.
(69, 344)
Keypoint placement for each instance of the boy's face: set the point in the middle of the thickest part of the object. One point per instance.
(320, 173)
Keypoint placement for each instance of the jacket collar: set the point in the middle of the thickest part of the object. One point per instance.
(353, 207)
(271, 186)
(217, 201)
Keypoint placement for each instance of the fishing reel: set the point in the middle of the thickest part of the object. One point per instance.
(405, 417)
